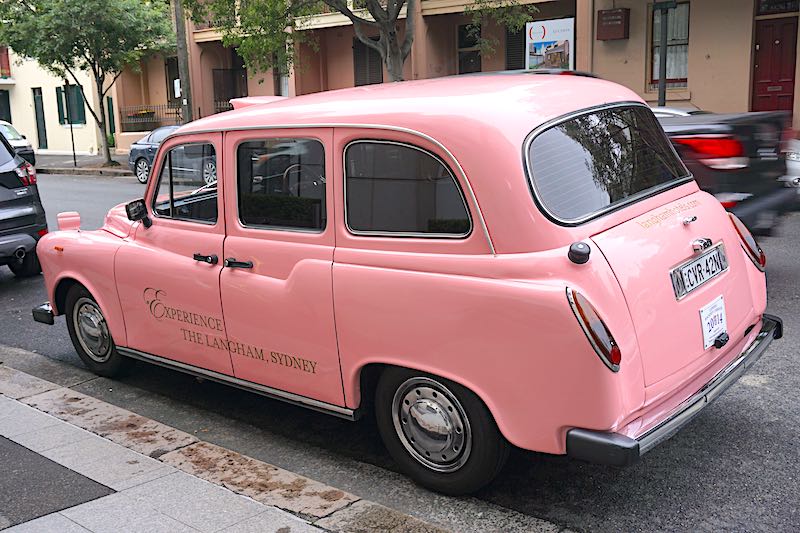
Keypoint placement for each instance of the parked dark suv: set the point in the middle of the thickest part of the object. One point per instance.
(22, 219)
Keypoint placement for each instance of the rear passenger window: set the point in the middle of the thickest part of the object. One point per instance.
(398, 188)
(281, 183)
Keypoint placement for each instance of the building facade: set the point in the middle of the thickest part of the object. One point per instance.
(722, 56)
(42, 106)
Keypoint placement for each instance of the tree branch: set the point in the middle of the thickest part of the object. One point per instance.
(411, 26)
(342, 8)
(377, 46)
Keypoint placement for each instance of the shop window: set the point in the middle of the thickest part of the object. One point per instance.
(515, 49)
(70, 102)
(393, 188)
(281, 184)
(469, 52)
(367, 64)
(677, 46)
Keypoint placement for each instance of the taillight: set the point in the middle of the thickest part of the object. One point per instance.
(42, 232)
(595, 329)
(721, 152)
(730, 200)
(754, 251)
(26, 174)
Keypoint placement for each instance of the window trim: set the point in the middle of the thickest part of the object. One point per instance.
(158, 184)
(280, 228)
(526, 163)
(403, 234)
(652, 46)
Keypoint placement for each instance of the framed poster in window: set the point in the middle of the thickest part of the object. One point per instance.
(550, 44)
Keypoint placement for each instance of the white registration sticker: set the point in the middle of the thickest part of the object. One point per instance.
(714, 323)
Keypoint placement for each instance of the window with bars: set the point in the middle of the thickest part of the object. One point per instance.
(469, 51)
(515, 49)
(367, 64)
(677, 46)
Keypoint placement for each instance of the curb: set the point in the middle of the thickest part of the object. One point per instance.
(108, 172)
(321, 505)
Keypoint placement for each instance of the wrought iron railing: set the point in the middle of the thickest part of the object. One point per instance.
(222, 106)
(149, 117)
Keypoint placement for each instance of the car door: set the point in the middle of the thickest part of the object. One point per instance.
(276, 286)
(168, 275)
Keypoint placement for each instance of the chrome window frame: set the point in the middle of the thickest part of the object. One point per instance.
(403, 234)
(652, 191)
(158, 184)
(279, 228)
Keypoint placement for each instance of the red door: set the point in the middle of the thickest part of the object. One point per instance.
(773, 71)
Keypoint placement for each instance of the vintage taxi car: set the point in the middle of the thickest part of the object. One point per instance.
(481, 262)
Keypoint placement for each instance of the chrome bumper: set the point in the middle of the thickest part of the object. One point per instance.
(620, 450)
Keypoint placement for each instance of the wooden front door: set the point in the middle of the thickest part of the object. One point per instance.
(774, 67)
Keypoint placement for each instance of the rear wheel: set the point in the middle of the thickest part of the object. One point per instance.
(142, 170)
(441, 434)
(26, 267)
(90, 335)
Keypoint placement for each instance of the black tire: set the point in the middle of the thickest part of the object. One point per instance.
(142, 170)
(107, 362)
(487, 452)
(28, 267)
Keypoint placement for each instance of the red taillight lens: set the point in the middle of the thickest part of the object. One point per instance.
(42, 232)
(754, 251)
(26, 174)
(716, 151)
(595, 329)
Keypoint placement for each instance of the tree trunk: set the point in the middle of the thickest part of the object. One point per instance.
(394, 57)
(101, 123)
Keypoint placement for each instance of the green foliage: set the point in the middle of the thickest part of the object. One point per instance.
(505, 13)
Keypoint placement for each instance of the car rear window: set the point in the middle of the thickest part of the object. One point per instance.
(6, 152)
(593, 162)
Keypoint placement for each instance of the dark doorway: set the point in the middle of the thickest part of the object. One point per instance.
(38, 106)
(774, 66)
(5, 106)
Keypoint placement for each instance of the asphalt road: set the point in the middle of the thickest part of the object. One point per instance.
(735, 467)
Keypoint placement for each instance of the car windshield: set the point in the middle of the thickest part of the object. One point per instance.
(10, 133)
(595, 161)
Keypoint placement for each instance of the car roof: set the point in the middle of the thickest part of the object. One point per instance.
(511, 103)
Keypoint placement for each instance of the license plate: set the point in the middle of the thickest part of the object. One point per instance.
(713, 321)
(698, 270)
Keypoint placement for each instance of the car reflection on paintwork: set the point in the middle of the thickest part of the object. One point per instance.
(143, 151)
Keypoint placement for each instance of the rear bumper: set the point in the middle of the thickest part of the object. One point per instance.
(621, 450)
(11, 242)
(44, 314)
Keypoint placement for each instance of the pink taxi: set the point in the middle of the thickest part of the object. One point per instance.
(482, 262)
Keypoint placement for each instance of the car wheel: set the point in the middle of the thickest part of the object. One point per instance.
(142, 170)
(440, 433)
(210, 172)
(90, 335)
(26, 267)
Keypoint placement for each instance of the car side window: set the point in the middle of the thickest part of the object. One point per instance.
(400, 189)
(281, 184)
(187, 184)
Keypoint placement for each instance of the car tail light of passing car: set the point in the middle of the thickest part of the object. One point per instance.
(754, 251)
(26, 174)
(595, 329)
(721, 152)
(731, 199)
(42, 232)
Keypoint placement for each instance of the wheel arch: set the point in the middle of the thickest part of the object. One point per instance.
(108, 304)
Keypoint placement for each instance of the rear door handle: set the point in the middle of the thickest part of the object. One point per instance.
(210, 259)
(231, 262)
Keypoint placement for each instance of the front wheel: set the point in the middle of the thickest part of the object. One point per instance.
(142, 170)
(90, 336)
(440, 433)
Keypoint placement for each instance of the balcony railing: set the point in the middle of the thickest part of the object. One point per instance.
(149, 117)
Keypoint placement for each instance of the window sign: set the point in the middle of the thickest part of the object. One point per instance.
(550, 44)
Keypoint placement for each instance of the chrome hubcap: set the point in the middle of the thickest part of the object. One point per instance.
(432, 424)
(142, 169)
(209, 173)
(91, 330)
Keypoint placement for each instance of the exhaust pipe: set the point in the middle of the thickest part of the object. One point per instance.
(19, 253)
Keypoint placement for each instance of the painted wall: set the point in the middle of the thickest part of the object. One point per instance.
(28, 74)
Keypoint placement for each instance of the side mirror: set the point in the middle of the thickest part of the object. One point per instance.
(137, 210)
(23, 136)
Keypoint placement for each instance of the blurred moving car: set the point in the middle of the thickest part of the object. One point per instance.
(737, 158)
(140, 158)
(18, 141)
(667, 112)
(22, 218)
(791, 153)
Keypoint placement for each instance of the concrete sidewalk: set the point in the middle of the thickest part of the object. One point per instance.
(87, 165)
(130, 473)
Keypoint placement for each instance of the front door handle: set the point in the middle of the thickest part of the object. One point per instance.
(210, 259)
(231, 262)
